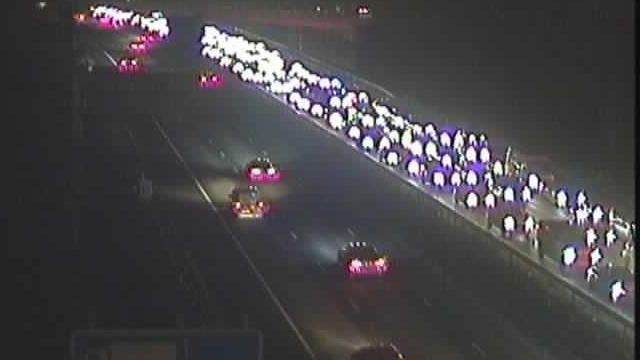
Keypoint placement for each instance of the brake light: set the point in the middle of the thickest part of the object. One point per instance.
(256, 171)
(237, 205)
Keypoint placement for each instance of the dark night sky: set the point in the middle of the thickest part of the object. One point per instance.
(527, 64)
(558, 74)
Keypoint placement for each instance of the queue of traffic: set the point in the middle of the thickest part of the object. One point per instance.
(155, 28)
(448, 160)
(445, 160)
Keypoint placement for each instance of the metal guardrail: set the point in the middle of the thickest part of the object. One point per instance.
(318, 63)
(626, 322)
(623, 317)
(557, 347)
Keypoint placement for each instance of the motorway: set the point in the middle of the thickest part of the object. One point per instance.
(542, 209)
(164, 257)
(441, 78)
(320, 205)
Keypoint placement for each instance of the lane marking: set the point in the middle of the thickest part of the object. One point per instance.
(239, 246)
(132, 139)
(475, 221)
(479, 350)
(110, 58)
(250, 140)
(221, 153)
(426, 302)
(351, 232)
(293, 235)
(236, 170)
(320, 266)
(472, 217)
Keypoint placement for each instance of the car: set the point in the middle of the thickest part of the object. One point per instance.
(364, 12)
(129, 65)
(157, 14)
(148, 37)
(263, 170)
(377, 352)
(248, 203)
(137, 46)
(80, 17)
(208, 80)
(362, 259)
(105, 22)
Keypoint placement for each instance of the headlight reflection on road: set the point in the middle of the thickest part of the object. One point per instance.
(215, 165)
(219, 189)
(340, 343)
(275, 192)
(324, 249)
(185, 194)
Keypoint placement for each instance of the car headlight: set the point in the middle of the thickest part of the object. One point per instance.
(354, 132)
(381, 262)
(413, 167)
(393, 158)
(367, 143)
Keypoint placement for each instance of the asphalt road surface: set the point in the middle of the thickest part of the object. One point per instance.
(503, 70)
(146, 262)
(319, 207)
(330, 195)
(543, 210)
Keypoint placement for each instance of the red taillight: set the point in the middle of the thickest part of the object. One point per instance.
(255, 171)
(381, 262)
